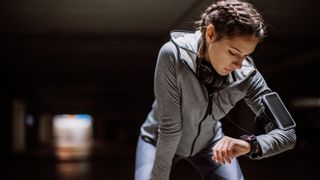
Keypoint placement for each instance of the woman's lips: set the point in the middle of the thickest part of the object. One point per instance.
(228, 70)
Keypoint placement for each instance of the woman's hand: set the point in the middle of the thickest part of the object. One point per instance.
(228, 148)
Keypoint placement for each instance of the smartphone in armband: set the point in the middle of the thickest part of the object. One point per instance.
(276, 111)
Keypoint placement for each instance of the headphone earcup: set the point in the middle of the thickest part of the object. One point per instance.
(205, 73)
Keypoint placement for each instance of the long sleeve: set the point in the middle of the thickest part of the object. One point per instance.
(167, 95)
(276, 140)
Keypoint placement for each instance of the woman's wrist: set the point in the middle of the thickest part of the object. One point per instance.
(254, 149)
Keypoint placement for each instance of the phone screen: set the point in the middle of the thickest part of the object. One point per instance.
(277, 111)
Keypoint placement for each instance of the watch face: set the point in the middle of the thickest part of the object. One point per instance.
(252, 137)
(248, 137)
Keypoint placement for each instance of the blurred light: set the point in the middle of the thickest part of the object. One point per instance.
(306, 103)
(73, 135)
(72, 170)
(29, 120)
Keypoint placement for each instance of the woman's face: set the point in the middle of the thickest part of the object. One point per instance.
(226, 55)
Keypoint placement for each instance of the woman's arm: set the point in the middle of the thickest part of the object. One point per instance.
(276, 140)
(167, 95)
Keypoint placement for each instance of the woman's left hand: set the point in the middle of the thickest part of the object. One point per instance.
(228, 148)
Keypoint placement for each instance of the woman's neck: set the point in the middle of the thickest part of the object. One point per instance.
(206, 57)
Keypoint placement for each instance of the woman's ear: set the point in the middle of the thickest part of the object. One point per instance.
(210, 33)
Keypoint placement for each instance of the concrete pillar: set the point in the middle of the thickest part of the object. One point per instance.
(45, 129)
(19, 134)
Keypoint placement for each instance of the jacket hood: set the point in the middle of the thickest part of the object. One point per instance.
(188, 43)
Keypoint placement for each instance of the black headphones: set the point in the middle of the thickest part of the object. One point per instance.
(207, 74)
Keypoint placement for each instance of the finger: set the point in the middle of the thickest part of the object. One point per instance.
(230, 149)
(214, 153)
(225, 153)
(214, 156)
(219, 152)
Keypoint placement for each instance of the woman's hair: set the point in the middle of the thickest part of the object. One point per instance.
(231, 18)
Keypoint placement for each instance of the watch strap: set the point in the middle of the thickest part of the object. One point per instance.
(252, 140)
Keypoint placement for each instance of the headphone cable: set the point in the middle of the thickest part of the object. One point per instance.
(229, 119)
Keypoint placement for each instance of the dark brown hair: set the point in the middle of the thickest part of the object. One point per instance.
(231, 18)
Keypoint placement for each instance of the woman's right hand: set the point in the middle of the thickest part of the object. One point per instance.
(228, 148)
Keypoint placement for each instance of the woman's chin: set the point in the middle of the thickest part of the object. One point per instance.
(224, 73)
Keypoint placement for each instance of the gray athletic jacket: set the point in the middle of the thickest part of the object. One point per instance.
(180, 123)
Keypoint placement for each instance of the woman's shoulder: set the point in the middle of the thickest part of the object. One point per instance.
(168, 53)
(168, 48)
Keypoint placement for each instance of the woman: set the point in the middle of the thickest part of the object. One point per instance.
(199, 77)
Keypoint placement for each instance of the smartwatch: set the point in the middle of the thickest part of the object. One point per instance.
(255, 147)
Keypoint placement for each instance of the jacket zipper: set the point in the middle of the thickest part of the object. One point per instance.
(208, 111)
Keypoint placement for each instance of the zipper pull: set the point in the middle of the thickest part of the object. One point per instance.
(210, 104)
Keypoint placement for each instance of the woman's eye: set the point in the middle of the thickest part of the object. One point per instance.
(232, 53)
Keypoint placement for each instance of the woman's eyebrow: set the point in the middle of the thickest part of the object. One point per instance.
(239, 51)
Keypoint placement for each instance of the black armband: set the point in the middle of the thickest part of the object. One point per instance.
(276, 112)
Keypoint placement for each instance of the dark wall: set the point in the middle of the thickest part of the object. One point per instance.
(5, 108)
(110, 76)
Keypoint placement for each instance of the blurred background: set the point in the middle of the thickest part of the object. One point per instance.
(77, 83)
